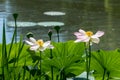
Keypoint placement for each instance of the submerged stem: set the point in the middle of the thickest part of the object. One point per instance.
(58, 37)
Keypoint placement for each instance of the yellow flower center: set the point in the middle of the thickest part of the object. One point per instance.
(40, 43)
(89, 33)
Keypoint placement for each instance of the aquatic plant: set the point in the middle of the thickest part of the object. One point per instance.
(83, 36)
(38, 60)
(89, 38)
(38, 45)
(106, 64)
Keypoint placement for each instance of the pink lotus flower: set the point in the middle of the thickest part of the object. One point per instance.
(83, 36)
(39, 44)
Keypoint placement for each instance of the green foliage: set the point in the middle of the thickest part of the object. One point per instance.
(19, 63)
(16, 59)
(67, 56)
(108, 61)
(18, 55)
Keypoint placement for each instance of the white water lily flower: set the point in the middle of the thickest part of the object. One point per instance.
(39, 44)
(83, 36)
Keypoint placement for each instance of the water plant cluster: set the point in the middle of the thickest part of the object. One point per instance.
(33, 59)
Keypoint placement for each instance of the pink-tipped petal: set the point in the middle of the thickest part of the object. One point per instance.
(87, 39)
(47, 43)
(82, 39)
(78, 40)
(82, 31)
(77, 34)
(29, 43)
(34, 48)
(32, 40)
(99, 34)
(95, 40)
(80, 36)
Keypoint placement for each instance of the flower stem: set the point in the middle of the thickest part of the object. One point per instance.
(14, 37)
(51, 56)
(57, 76)
(89, 56)
(57, 28)
(60, 75)
(86, 61)
(51, 66)
(4, 52)
(40, 65)
(108, 75)
(104, 73)
(15, 15)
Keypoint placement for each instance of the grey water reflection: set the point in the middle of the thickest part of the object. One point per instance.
(86, 14)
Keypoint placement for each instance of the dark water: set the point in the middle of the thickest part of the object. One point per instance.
(91, 15)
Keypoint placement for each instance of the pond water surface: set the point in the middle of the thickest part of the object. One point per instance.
(38, 16)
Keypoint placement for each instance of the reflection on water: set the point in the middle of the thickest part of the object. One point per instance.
(32, 24)
(86, 14)
(50, 23)
(109, 10)
(21, 24)
(54, 13)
